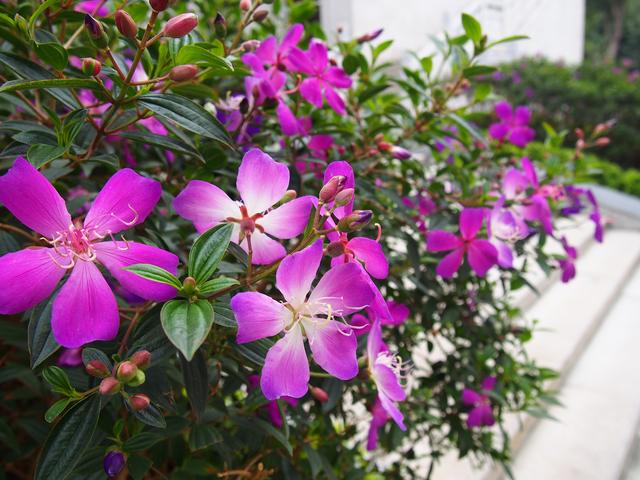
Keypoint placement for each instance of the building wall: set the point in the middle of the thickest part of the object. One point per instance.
(555, 27)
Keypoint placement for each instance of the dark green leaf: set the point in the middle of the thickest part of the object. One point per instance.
(58, 379)
(207, 251)
(203, 436)
(471, 27)
(17, 85)
(267, 429)
(196, 381)
(56, 409)
(195, 54)
(215, 284)
(149, 416)
(155, 274)
(162, 141)
(41, 341)
(89, 354)
(142, 441)
(478, 70)
(40, 155)
(255, 351)
(187, 324)
(224, 315)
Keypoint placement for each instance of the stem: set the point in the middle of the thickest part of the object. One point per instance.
(244, 23)
(19, 231)
(127, 334)
(249, 259)
(115, 64)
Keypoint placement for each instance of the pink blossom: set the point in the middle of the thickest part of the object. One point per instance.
(481, 413)
(567, 264)
(512, 126)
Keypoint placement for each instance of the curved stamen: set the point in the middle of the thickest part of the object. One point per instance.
(129, 223)
(66, 267)
(379, 227)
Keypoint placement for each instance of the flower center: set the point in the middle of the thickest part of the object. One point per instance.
(247, 222)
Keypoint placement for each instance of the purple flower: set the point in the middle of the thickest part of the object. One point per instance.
(567, 264)
(386, 372)
(322, 78)
(261, 182)
(90, 8)
(512, 126)
(481, 413)
(505, 226)
(85, 308)
(379, 418)
(113, 463)
(481, 254)
(70, 357)
(341, 291)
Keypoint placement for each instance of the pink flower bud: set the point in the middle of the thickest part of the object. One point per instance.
(260, 15)
(109, 386)
(355, 221)
(159, 5)
(250, 45)
(181, 25)
(245, 5)
(580, 144)
(335, 249)
(579, 132)
(125, 24)
(344, 197)
(96, 368)
(288, 196)
(400, 153)
(600, 128)
(141, 359)
(602, 141)
(126, 371)
(384, 146)
(368, 37)
(139, 401)
(91, 66)
(330, 189)
(319, 394)
(182, 73)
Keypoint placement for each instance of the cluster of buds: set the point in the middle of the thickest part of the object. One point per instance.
(332, 188)
(395, 150)
(129, 372)
(595, 139)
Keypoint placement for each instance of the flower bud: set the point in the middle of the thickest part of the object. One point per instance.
(126, 371)
(220, 26)
(244, 106)
(91, 67)
(21, 24)
(288, 196)
(139, 401)
(96, 32)
(141, 359)
(250, 45)
(125, 24)
(400, 153)
(159, 5)
(139, 379)
(96, 368)
(368, 37)
(113, 463)
(335, 249)
(600, 128)
(602, 141)
(245, 5)
(579, 132)
(344, 197)
(180, 26)
(260, 15)
(189, 285)
(330, 189)
(319, 394)
(580, 144)
(384, 146)
(109, 386)
(355, 221)
(182, 73)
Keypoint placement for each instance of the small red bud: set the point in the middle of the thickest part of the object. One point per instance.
(125, 24)
(96, 368)
(260, 15)
(580, 144)
(126, 371)
(579, 132)
(182, 73)
(344, 197)
(602, 141)
(600, 128)
(141, 359)
(139, 401)
(159, 5)
(109, 386)
(91, 66)
(319, 394)
(245, 5)
(384, 146)
(330, 189)
(180, 26)
(367, 37)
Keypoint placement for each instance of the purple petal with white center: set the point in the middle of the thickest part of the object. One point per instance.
(258, 316)
(85, 309)
(345, 289)
(450, 263)
(441, 240)
(28, 277)
(530, 171)
(482, 255)
(375, 345)
(388, 383)
(31, 198)
(288, 220)
(370, 253)
(514, 183)
(125, 200)
(117, 255)
(262, 182)
(311, 90)
(297, 272)
(360, 324)
(333, 345)
(286, 368)
(392, 409)
(505, 254)
(471, 221)
(205, 205)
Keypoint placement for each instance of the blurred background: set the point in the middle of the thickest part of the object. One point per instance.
(579, 68)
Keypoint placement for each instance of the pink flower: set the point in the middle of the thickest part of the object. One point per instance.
(70, 357)
(341, 291)
(322, 79)
(567, 264)
(512, 126)
(379, 418)
(505, 226)
(90, 7)
(85, 308)
(481, 412)
(481, 254)
(262, 183)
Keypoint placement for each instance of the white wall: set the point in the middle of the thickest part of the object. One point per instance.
(556, 27)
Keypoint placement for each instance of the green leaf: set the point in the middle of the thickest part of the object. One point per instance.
(187, 324)
(142, 441)
(155, 274)
(207, 251)
(49, 49)
(512, 38)
(162, 141)
(350, 64)
(89, 354)
(195, 54)
(58, 379)
(41, 341)
(39, 155)
(216, 284)
(224, 315)
(56, 409)
(266, 428)
(17, 85)
(72, 125)
(68, 439)
(255, 351)
(203, 436)
(31, 26)
(187, 114)
(149, 416)
(471, 27)
(478, 70)
(196, 381)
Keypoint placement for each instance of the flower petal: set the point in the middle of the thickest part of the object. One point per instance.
(205, 205)
(266, 250)
(345, 289)
(286, 368)
(85, 309)
(441, 240)
(125, 200)
(392, 409)
(333, 345)
(261, 181)
(399, 312)
(482, 255)
(289, 219)
(291, 38)
(31, 198)
(470, 397)
(450, 263)
(471, 222)
(311, 90)
(337, 77)
(267, 50)
(370, 253)
(297, 272)
(117, 255)
(258, 316)
(388, 383)
(318, 55)
(300, 61)
(286, 118)
(28, 277)
(334, 100)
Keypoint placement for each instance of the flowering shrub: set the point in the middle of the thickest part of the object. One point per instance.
(314, 255)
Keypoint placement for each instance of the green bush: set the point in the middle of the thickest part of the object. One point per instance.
(579, 97)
